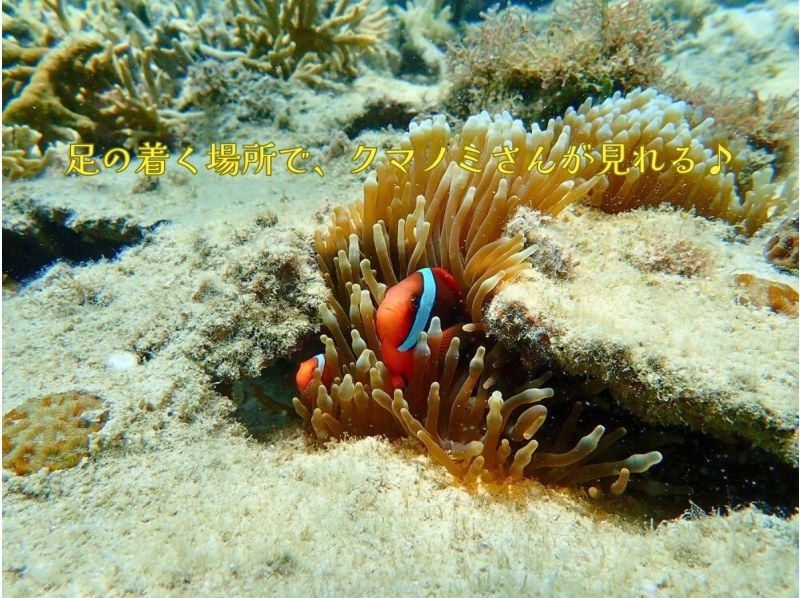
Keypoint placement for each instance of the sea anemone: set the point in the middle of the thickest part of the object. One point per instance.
(448, 213)
(645, 120)
(448, 208)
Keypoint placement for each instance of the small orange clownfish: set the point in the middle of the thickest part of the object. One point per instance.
(408, 308)
(305, 374)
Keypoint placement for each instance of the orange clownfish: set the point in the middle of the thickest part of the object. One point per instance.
(305, 374)
(407, 309)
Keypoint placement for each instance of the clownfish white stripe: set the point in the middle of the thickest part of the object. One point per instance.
(424, 310)
(320, 362)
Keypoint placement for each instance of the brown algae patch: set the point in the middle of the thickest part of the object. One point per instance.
(51, 431)
(761, 292)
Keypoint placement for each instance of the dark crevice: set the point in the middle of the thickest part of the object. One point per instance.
(380, 114)
(721, 475)
(50, 235)
(263, 405)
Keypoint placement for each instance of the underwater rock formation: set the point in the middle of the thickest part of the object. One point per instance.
(689, 354)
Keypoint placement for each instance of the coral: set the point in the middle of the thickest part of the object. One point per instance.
(75, 93)
(781, 249)
(22, 157)
(538, 69)
(97, 75)
(51, 431)
(111, 72)
(761, 292)
(299, 39)
(451, 218)
(425, 25)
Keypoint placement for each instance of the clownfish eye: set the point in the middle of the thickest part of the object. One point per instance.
(415, 301)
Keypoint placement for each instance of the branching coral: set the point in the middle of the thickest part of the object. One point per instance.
(300, 39)
(424, 26)
(110, 72)
(450, 217)
(22, 157)
(80, 90)
(99, 76)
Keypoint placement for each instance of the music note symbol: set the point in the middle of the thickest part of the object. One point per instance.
(721, 151)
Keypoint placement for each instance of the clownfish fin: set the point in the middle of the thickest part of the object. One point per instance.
(447, 336)
(307, 369)
(398, 382)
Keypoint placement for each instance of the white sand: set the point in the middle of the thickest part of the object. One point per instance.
(209, 512)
